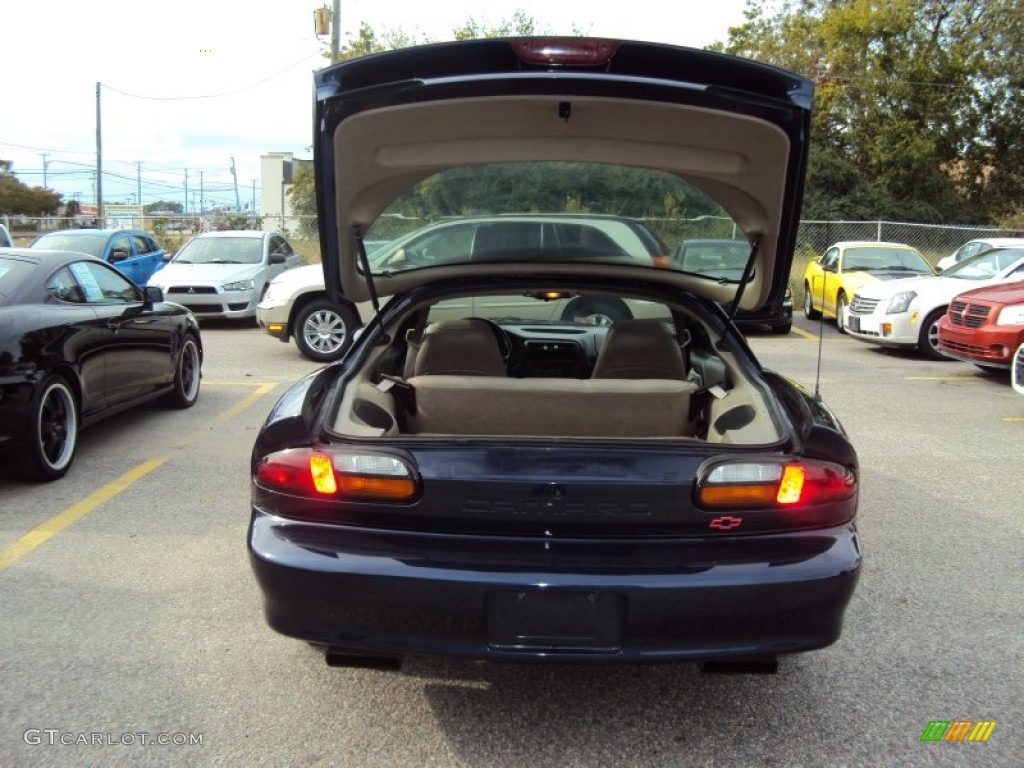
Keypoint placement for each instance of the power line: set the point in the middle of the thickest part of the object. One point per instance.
(244, 88)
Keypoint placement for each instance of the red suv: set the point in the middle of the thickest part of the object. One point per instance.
(985, 326)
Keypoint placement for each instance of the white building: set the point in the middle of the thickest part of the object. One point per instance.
(277, 169)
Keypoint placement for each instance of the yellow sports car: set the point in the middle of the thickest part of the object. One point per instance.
(831, 280)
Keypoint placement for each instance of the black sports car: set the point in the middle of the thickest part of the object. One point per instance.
(78, 342)
(517, 488)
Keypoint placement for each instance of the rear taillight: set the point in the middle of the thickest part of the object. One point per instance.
(337, 475)
(774, 485)
(564, 51)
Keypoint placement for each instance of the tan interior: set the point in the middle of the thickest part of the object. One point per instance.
(491, 405)
(638, 390)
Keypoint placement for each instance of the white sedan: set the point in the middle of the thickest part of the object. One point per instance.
(905, 313)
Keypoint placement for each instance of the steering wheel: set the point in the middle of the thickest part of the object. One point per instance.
(504, 341)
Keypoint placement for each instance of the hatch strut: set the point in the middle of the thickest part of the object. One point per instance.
(364, 263)
(748, 270)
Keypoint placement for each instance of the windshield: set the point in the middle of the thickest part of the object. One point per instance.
(72, 241)
(221, 250)
(885, 259)
(548, 211)
(985, 265)
(722, 258)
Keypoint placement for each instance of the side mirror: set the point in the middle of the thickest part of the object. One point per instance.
(278, 258)
(153, 295)
(116, 256)
(167, 257)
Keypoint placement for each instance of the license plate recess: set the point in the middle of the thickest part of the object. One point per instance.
(544, 620)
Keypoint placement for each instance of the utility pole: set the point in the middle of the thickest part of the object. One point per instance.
(44, 155)
(202, 203)
(238, 205)
(186, 191)
(336, 32)
(254, 197)
(99, 159)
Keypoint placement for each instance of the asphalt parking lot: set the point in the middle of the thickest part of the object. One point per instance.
(131, 618)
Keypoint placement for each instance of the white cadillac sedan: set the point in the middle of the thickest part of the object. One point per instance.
(906, 313)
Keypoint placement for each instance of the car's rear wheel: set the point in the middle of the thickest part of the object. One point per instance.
(187, 375)
(928, 339)
(323, 330)
(53, 432)
(809, 311)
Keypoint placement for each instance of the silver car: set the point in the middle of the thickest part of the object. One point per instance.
(224, 274)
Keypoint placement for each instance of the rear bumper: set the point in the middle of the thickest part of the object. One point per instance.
(506, 598)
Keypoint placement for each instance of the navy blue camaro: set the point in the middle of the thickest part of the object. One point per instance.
(548, 443)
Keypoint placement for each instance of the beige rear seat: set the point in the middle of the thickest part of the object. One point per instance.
(474, 405)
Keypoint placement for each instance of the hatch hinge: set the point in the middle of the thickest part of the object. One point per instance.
(748, 271)
(364, 264)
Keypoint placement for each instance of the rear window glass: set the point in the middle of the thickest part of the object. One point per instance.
(547, 211)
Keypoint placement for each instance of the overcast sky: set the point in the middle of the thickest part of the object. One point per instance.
(191, 84)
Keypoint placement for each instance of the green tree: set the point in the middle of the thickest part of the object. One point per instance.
(17, 198)
(164, 206)
(518, 25)
(917, 112)
(303, 197)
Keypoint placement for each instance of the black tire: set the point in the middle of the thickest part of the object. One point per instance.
(53, 432)
(928, 340)
(187, 376)
(809, 311)
(996, 373)
(592, 311)
(323, 330)
(841, 305)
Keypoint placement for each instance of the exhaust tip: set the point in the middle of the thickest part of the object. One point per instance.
(756, 665)
(345, 657)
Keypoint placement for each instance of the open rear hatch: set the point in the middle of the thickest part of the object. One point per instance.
(732, 129)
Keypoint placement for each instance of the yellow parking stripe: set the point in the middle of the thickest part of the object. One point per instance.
(940, 378)
(46, 531)
(262, 388)
(805, 334)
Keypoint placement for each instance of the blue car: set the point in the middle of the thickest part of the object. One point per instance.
(134, 254)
